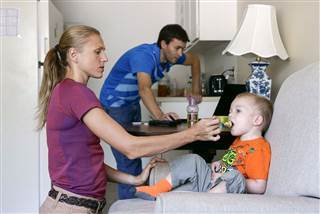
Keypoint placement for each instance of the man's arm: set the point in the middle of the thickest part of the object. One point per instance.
(194, 61)
(148, 99)
(145, 92)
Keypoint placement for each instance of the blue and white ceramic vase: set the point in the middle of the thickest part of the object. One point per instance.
(259, 82)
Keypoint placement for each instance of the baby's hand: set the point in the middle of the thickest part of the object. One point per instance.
(216, 166)
(215, 176)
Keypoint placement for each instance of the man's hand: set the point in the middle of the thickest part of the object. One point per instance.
(198, 98)
(169, 116)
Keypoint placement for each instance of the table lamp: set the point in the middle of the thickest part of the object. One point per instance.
(259, 35)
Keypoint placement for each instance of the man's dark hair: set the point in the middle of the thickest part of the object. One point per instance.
(170, 32)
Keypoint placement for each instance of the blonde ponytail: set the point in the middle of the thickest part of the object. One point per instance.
(56, 63)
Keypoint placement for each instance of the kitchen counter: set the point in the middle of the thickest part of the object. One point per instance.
(184, 99)
(179, 104)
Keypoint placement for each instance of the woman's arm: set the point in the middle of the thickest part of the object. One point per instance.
(256, 186)
(133, 147)
(124, 178)
(120, 177)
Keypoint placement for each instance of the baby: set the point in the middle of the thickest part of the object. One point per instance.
(243, 168)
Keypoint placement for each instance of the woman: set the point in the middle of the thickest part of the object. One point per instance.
(75, 122)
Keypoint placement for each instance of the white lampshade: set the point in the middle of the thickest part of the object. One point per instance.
(258, 34)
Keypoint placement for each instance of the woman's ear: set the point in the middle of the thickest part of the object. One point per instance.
(258, 120)
(73, 55)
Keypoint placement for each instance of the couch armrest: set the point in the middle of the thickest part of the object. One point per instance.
(199, 202)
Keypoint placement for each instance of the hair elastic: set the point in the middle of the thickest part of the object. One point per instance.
(57, 52)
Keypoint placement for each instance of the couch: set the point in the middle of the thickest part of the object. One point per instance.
(293, 184)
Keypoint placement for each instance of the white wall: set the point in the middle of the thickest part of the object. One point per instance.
(216, 63)
(123, 25)
(19, 185)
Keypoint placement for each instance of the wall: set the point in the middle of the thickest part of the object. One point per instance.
(216, 63)
(123, 24)
(299, 29)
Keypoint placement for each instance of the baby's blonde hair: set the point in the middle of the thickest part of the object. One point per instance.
(263, 106)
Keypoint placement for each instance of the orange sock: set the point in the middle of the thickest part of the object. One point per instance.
(159, 187)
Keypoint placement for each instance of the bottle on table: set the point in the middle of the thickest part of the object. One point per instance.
(192, 111)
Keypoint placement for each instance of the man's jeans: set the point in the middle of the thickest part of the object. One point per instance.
(126, 115)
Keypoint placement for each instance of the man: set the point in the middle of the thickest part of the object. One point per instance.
(131, 78)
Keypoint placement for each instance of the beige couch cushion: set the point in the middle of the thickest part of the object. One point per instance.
(205, 203)
(132, 206)
(294, 136)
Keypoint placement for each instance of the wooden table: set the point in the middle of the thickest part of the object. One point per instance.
(205, 149)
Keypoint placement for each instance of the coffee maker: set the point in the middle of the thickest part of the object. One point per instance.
(216, 85)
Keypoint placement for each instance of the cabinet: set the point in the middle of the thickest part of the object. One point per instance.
(187, 17)
(206, 20)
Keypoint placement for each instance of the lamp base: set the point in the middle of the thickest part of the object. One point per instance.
(259, 82)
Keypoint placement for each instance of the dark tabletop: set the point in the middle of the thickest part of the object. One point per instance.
(147, 130)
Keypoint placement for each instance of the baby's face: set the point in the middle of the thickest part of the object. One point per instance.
(242, 113)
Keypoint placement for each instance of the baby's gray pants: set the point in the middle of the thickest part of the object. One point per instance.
(193, 169)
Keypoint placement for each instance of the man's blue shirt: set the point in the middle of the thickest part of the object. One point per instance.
(121, 86)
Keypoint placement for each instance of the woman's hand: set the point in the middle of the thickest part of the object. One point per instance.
(207, 129)
(142, 178)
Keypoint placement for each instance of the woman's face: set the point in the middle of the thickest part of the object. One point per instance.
(91, 57)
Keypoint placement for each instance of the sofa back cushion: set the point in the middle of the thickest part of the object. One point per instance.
(294, 136)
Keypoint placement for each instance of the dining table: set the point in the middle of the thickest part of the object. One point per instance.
(206, 149)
